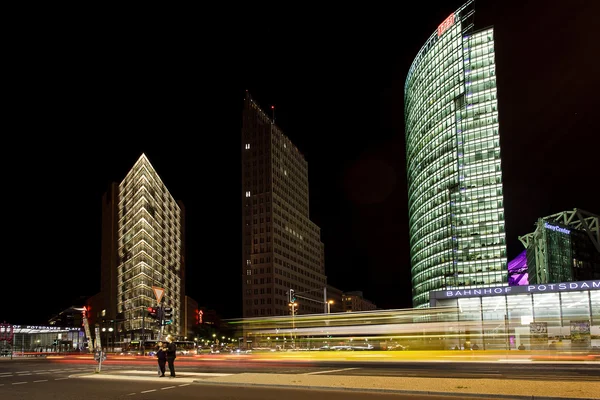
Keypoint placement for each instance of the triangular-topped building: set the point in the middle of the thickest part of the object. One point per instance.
(142, 247)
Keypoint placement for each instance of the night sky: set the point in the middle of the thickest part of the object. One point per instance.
(86, 99)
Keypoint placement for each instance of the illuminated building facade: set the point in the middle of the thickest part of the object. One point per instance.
(557, 316)
(517, 270)
(142, 247)
(281, 247)
(354, 301)
(564, 247)
(456, 214)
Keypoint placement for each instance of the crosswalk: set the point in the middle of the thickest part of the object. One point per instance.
(148, 375)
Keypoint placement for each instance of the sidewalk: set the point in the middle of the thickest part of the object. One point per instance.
(501, 388)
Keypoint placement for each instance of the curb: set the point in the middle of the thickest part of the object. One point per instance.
(398, 391)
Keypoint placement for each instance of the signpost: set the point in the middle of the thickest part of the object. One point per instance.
(159, 292)
(6, 336)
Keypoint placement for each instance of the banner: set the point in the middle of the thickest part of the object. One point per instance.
(538, 332)
(580, 334)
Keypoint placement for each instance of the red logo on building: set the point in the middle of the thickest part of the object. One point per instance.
(448, 22)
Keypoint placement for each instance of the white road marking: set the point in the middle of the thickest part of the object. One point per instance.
(5, 376)
(185, 384)
(327, 372)
(61, 379)
(168, 387)
(18, 383)
(131, 394)
(41, 380)
(148, 391)
(21, 374)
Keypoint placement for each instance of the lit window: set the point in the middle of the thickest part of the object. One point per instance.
(247, 194)
(247, 146)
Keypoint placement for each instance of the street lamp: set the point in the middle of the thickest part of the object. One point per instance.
(113, 338)
(329, 303)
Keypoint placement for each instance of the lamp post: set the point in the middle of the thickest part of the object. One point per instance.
(111, 330)
(293, 335)
(329, 303)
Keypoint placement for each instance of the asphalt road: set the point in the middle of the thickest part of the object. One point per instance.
(62, 383)
(563, 371)
(60, 379)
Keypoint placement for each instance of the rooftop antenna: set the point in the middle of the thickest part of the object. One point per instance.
(273, 113)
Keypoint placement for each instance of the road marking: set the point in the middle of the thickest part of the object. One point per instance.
(5, 376)
(41, 380)
(168, 387)
(185, 384)
(61, 379)
(42, 373)
(4, 373)
(148, 391)
(18, 383)
(131, 394)
(327, 372)
(22, 374)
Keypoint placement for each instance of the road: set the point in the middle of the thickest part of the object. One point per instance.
(74, 378)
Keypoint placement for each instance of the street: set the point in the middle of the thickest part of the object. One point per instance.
(74, 378)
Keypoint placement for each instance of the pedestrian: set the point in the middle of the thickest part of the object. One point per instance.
(171, 350)
(161, 355)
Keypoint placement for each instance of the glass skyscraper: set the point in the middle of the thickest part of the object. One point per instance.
(456, 210)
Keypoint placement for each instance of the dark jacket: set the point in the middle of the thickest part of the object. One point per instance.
(171, 349)
(161, 355)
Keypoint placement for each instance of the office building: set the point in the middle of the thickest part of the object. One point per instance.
(143, 247)
(355, 301)
(564, 247)
(455, 196)
(281, 247)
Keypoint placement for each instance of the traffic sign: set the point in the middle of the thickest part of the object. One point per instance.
(158, 292)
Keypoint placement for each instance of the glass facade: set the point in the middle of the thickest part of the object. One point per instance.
(563, 248)
(150, 247)
(456, 214)
(567, 320)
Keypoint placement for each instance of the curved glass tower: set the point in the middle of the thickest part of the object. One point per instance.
(456, 214)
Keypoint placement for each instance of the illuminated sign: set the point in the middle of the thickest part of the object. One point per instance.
(541, 288)
(448, 22)
(556, 228)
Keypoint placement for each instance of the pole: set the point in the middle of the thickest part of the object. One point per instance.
(142, 341)
(160, 318)
(325, 298)
(293, 326)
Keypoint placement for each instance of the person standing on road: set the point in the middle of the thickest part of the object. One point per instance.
(161, 354)
(171, 350)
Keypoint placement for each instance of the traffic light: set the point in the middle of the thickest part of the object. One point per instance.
(153, 312)
(168, 313)
(292, 296)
